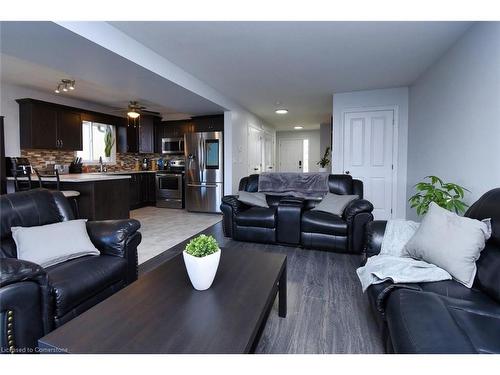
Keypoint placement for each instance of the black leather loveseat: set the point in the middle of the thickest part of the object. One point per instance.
(444, 316)
(34, 300)
(291, 221)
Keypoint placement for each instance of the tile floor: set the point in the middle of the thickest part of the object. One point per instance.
(163, 228)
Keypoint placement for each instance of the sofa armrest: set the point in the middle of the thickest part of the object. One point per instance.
(24, 305)
(234, 203)
(230, 206)
(355, 207)
(111, 236)
(14, 270)
(374, 233)
(118, 238)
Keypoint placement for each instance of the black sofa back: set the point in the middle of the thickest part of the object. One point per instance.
(28, 209)
(488, 265)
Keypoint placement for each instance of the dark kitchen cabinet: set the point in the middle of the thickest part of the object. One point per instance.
(142, 191)
(69, 130)
(48, 126)
(132, 138)
(141, 138)
(208, 123)
(146, 134)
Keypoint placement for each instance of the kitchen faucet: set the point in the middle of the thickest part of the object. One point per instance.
(102, 167)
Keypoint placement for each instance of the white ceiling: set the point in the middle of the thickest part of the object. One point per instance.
(300, 64)
(39, 54)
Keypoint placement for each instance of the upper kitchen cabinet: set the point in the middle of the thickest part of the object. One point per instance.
(208, 123)
(141, 138)
(47, 126)
(69, 130)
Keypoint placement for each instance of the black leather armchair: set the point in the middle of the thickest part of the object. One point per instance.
(35, 300)
(291, 221)
(444, 316)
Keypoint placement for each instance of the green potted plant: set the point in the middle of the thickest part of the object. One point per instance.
(201, 257)
(444, 194)
(324, 161)
(109, 141)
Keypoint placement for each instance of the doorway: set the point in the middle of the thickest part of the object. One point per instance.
(291, 154)
(368, 156)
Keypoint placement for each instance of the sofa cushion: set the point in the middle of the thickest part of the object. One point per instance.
(253, 199)
(449, 241)
(448, 325)
(54, 243)
(335, 203)
(323, 222)
(77, 280)
(257, 217)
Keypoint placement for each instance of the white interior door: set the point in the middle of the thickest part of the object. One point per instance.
(368, 156)
(291, 155)
(268, 153)
(254, 150)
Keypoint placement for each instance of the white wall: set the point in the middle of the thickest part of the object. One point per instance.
(236, 123)
(314, 145)
(397, 97)
(454, 128)
(325, 137)
(10, 109)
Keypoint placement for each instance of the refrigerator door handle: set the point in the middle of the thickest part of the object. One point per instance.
(199, 185)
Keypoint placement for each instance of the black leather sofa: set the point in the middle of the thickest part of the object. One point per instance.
(290, 220)
(34, 300)
(444, 316)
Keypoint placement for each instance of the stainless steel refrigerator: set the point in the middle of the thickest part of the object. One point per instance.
(204, 171)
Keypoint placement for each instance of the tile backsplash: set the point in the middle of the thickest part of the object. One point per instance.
(40, 158)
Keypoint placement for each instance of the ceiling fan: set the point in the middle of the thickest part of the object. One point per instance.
(134, 110)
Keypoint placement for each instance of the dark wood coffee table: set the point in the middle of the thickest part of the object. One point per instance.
(162, 313)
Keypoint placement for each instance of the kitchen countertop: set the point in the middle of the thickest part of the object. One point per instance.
(83, 177)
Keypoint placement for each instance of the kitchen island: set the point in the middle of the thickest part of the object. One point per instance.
(103, 196)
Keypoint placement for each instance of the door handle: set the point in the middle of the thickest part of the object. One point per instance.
(205, 186)
(347, 172)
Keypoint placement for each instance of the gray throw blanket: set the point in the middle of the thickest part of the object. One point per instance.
(304, 185)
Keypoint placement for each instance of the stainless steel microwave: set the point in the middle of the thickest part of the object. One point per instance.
(172, 146)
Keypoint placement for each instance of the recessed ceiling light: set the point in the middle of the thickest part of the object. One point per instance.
(298, 127)
(281, 111)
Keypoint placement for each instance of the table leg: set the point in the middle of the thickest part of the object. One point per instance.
(282, 293)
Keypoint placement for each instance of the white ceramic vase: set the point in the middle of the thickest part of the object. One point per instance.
(202, 270)
(322, 169)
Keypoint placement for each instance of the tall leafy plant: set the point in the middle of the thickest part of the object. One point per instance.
(445, 194)
(109, 141)
(325, 160)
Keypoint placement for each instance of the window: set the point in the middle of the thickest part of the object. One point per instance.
(99, 140)
(305, 162)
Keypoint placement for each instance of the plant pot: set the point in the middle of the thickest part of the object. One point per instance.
(202, 270)
(322, 169)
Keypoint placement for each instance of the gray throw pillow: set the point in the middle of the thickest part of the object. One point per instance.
(253, 199)
(51, 244)
(335, 203)
(449, 241)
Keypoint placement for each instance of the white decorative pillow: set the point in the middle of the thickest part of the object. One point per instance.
(449, 241)
(334, 203)
(397, 234)
(253, 199)
(51, 244)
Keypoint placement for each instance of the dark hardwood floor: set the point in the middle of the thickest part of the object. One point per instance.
(327, 311)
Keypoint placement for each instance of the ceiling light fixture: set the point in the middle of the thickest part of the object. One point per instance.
(65, 85)
(281, 111)
(133, 114)
(298, 127)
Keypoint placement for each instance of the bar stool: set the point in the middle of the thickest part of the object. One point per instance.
(46, 180)
(22, 184)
